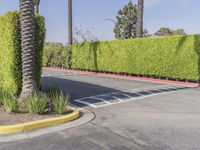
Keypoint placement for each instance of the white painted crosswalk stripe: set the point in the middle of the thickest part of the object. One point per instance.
(127, 95)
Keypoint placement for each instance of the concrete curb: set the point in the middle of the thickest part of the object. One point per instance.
(85, 117)
(170, 82)
(29, 126)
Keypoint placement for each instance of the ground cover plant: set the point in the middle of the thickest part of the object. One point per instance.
(14, 110)
(10, 103)
(36, 103)
(59, 102)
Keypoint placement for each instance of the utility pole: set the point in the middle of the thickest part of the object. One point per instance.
(70, 33)
(140, 11)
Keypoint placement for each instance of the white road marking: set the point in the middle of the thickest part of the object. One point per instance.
(134, 99)
(86, 103)
(127, 95)
(101, 99)
(141, 96)
(159, 88)
(121, 100)
(149, 88)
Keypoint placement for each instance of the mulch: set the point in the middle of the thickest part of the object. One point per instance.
(23, 117)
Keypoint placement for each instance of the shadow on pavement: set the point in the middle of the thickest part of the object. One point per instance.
(76, 89)
(84, 90)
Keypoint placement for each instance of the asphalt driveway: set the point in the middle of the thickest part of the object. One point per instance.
(167, 120)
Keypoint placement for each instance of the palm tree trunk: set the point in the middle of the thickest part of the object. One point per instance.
(28, 52)
(70, 33)
(139, 30)
(37, 4)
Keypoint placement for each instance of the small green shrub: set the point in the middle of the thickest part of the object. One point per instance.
(59, 102)
(36, 104)
(10, 103)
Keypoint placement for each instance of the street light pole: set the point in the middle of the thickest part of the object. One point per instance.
(111, 20)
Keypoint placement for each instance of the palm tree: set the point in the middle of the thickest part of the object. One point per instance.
(139, 28)
(70, 32)
(37, 4)
(28, 52)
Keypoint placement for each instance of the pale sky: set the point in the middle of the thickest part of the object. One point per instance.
(92, 14)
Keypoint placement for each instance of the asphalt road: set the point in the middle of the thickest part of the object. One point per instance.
(159, 121)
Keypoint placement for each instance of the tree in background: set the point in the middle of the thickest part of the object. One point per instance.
(169, 32)
(55, 55)
(179, 32)
(125, 26)
(84, 35)
(140, 11)
(37, 4)
(164, 32)
(146, 34)
(28, 31)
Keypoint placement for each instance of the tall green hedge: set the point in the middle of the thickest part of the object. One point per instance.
(55, 54)
(173, 57)
(10, 51)
(40, 34)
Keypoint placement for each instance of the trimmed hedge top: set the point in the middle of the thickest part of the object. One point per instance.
(174, 57)
(10, 51)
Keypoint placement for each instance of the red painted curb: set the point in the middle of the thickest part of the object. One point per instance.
(170, 82)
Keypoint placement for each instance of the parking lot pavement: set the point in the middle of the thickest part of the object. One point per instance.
(97, 91)
(82, 85)
(161, 122)
(163, 118)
